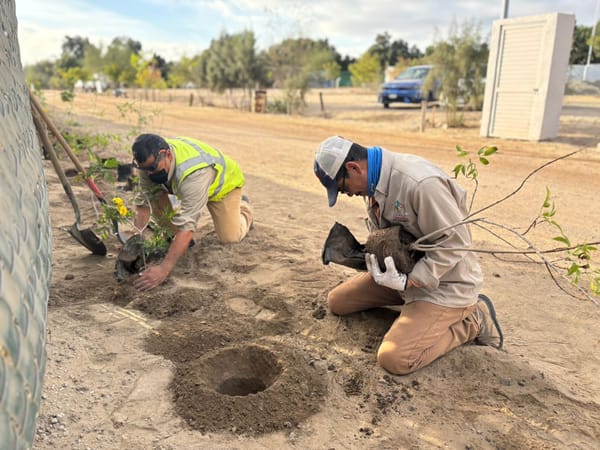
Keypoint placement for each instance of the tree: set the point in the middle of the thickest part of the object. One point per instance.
(117, 60)
(366, 71)
(582, 38)
(249, 69)
(460, 66)
(579, 49)
(148, 74)
(39, 74)
(73, 52)
(221, 66)
(389, 52)
(344, 62)
(182, 72)
(93, 61)
(296, 63)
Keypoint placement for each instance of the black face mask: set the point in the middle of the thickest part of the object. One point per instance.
(159, 177)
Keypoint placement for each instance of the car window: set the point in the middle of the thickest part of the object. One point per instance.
(413, 73)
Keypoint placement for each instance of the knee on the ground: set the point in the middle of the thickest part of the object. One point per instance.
(335, 303)
(392, 360)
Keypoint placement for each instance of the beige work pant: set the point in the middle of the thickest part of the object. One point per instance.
(231, 216)
(423, 332)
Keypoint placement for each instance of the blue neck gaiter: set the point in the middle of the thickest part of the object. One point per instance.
(374, 168)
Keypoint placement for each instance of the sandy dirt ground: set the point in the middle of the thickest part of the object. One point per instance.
(238, 350)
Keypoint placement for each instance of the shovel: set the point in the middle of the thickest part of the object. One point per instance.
(78, 165)
(85, 237)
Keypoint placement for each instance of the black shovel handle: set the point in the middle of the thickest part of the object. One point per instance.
(78, 165)
(85, 237)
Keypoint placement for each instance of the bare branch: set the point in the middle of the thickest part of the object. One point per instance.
(533, 172)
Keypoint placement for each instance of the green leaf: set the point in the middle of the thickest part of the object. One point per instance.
(490, 151)
(460, 151)
(563, 239)
(456, 170)
(483, 161)
(573, 269)
(111, 163)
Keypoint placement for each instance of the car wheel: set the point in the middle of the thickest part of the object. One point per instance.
(386, 105)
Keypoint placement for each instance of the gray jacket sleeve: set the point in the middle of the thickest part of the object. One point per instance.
(439, 205)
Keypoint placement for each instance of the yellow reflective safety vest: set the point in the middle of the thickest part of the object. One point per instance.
(192, 154)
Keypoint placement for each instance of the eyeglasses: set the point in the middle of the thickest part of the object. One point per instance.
(152, 167)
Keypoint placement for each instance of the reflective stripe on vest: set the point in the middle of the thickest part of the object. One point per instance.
(202, 158)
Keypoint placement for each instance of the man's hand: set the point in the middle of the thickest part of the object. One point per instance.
(150, 278)
(391, 278)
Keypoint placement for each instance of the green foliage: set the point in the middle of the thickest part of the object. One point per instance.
(332, 70)
(39, 74)
(459, 66)
(388, 52)
(148, 75)
(117, 60)
(296, 63)
(366, 71)
(162, 234)
(580, 47)
(184, 71)
(469, 170)
(578, 256)
(141, 118)
(101, 167)
(278, 106)
(232, 62)
(67, 95)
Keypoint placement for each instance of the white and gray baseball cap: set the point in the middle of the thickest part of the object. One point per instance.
(330, 156)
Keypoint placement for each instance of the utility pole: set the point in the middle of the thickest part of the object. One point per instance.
(504, 13)
(589, 57)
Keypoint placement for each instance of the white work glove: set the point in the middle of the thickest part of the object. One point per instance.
(391, 278)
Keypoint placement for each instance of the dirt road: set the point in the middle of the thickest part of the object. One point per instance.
(138, 371)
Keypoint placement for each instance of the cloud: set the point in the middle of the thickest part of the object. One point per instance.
(173, 28)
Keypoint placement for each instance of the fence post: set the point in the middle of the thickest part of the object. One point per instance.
(423, 111)
(322, 104)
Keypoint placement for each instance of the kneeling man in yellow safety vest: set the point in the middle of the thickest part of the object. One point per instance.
(198, 175)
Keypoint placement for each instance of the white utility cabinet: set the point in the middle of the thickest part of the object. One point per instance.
(526, 75)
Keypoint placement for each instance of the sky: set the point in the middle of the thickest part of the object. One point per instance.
(176, 28)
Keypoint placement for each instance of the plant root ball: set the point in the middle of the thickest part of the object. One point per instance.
(395, 242)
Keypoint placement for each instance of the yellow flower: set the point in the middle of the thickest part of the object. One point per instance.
(118, 201)
(122, 210)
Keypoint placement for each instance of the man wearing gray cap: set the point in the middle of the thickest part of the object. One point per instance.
(442, 307)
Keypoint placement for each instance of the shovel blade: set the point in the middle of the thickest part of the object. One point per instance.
(88, 239)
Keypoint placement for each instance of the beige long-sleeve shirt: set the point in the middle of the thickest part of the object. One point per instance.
(192, 195)
(418, 195)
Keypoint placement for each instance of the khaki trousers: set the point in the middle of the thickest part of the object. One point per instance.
(231, 216)
(422, 333)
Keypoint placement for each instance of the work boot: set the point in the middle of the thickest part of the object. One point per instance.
(489, 330)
